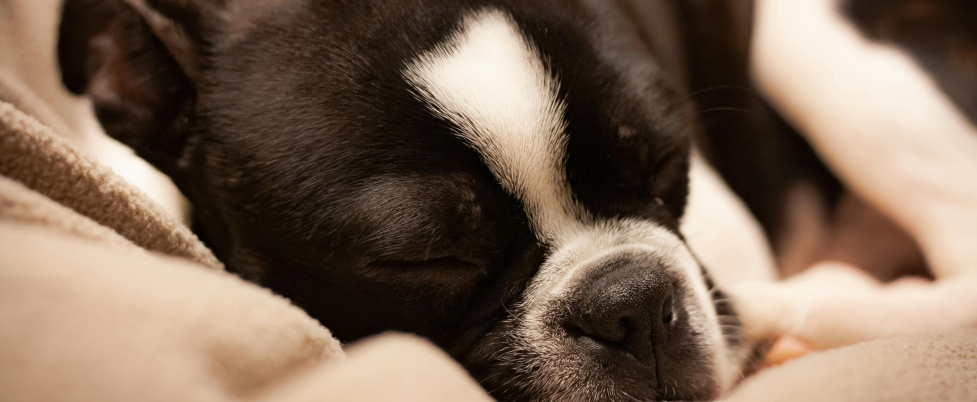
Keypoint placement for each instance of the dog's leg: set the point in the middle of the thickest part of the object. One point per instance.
(878, 121)
(887, 131)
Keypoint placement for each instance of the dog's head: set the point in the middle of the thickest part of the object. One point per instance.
(503, 177)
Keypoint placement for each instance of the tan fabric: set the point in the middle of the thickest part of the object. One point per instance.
(389, 368)
(21, 204)
(919, 368)
(82, 322)
(29, 75)
(32, 154)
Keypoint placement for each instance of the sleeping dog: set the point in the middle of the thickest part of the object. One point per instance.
(503, 177)
(507, 177)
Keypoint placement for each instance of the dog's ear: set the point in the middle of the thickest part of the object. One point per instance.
(138, 61)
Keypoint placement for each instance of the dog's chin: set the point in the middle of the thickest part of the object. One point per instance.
(554, 366)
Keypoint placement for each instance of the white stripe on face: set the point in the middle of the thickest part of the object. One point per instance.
(491, 83)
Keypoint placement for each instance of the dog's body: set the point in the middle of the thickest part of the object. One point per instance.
(504, 177)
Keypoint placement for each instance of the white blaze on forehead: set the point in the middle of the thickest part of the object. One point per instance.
(492, 83)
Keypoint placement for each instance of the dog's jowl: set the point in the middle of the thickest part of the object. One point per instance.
(503, 177)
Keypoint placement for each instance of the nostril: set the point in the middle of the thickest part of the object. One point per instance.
(574, 330)
(606, 331)
(667, 311)
(624, 326)
(603, 340)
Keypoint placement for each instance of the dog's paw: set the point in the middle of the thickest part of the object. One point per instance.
(834, 305)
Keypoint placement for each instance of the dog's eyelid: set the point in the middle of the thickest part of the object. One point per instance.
(445, 263)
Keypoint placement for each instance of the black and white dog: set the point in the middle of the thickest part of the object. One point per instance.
(503, 177)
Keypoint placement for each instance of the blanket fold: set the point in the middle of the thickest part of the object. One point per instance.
(47, 163)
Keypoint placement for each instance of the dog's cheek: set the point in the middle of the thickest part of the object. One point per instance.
(493, 360)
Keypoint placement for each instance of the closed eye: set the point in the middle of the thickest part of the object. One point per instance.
(452, 276)
(437, 264)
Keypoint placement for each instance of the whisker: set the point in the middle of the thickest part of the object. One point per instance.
(724, 109)
(721, 87)
(507, 310)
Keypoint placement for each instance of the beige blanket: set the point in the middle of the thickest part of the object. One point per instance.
(104, 297)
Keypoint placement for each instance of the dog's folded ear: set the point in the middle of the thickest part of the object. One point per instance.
(137, 60)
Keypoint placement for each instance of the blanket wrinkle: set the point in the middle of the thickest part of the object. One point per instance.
(932, 367)
(23, 205)
(91, 323)
(40, 159)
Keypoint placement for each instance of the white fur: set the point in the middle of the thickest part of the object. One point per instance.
(491, 82)
(563, 272)
(725, 236)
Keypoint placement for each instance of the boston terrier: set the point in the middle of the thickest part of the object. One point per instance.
(503, 177)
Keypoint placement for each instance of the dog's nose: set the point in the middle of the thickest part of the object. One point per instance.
(628, 307)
